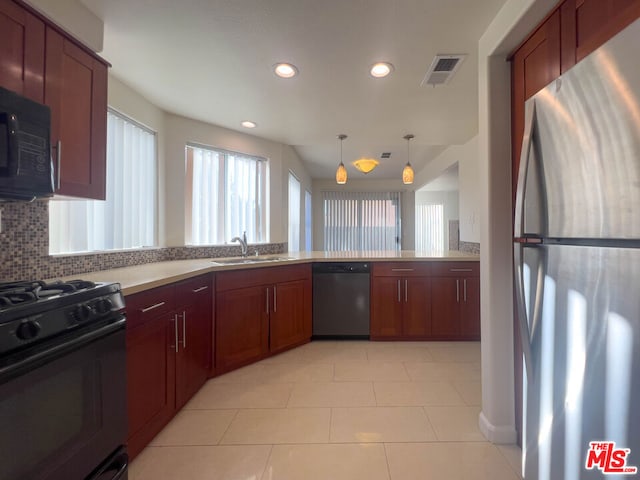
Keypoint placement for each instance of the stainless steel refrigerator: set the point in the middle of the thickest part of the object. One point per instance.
(577, 269)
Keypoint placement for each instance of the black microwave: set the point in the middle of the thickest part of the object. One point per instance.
(26, 170)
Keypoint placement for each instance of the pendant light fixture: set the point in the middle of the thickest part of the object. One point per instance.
(407, 172)
(341, 173)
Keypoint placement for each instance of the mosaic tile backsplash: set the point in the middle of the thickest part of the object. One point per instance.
(24, 248)
(469, 247)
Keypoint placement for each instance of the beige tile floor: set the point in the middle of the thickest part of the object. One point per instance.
(336, 411)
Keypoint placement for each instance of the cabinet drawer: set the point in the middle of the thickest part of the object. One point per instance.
(401, 269)
(189, 291)
(456, 269)
(232, 280)
(144, 306)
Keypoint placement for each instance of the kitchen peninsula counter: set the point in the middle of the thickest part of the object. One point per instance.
(143, 277)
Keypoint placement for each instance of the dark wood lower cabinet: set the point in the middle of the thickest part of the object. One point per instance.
(168, 354)
(151, 362)
(425, 301)
(288, 318)
(260, 312)
(242, 327)
(400, 308)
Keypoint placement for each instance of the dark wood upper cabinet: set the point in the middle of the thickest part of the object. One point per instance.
(21, 51)
(76, 91)
(534, 65)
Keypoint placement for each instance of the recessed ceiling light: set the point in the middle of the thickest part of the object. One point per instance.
(381, 69)
(285, 70)
(248, 124)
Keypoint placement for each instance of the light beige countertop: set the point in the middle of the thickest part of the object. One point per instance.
(138, 278)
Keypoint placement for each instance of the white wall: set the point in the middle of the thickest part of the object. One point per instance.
(74, 17)
(507, 30)
(174, 132)
(451, 207)
(407, 207)
(466, 156)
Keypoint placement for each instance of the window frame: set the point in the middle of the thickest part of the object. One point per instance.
(262, 185)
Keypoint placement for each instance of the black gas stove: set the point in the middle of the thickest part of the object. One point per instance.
(62, 381)
(35, 311)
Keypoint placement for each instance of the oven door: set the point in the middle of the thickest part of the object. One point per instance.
(63, 407)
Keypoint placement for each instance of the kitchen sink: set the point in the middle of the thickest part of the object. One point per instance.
(246, 260)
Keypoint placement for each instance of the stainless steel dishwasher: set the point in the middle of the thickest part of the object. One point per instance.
(341, 300)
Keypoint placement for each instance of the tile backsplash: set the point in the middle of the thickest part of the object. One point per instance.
(469, 247)
(24, 251)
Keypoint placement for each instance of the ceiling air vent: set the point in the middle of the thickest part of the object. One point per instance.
(442, 69)
(385, 155)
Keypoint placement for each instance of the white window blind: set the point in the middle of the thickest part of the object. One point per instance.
(430, 227)
(366, 221)
(308, 233)
(294, 213)
(126, 219)
(226, 195)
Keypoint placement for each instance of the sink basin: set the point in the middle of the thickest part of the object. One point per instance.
(245, 260)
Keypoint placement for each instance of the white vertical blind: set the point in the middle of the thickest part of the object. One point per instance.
(367, 221)
(430, 227)
(228, 196)
(126, 219)
(308, 222)
(294, 213)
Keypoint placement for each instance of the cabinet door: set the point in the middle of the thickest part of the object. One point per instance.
(445, 307)
(242, 327)
(470, 308)
(416, 315)
(76, 90)
(287, 317)
(193, 359)
(21, 51)
(386, 307)
(150, 379)
(535, 64)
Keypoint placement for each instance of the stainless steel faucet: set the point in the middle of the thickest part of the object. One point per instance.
(243, 243)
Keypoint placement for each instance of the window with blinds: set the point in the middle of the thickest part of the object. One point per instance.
(127, 218)
(364, 221)
(226, 195)
(430, 227)
(294, 213)
(308, 230)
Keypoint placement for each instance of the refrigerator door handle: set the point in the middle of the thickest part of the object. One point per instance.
(521, 311)
(525, 153)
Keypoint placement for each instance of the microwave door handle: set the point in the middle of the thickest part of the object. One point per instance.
(10, 168)
(525, 154)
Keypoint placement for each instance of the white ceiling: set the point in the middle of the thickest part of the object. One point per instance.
(212, 60)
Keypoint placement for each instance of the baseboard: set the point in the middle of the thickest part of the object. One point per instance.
(495, 434)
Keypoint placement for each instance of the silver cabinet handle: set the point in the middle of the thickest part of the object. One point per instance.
(402, 269)
(152, 307)
(275, 298)
(465, 290)
(200, 289)
(525, 153)
(398, 291)
(406, 295)
(461, 270)
(175, 333)
(58, 163)
(457, 290)
(267, 301)
(184, 330)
